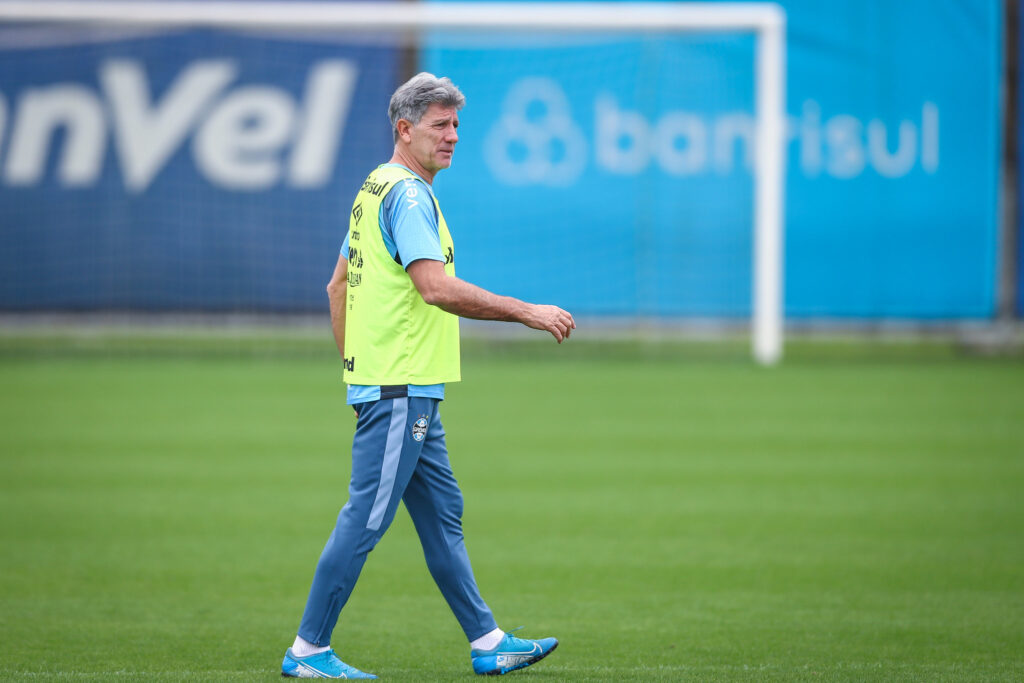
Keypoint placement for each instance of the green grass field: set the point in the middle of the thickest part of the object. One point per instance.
(667, 513)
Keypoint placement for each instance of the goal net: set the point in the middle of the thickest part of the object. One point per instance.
(623, 161)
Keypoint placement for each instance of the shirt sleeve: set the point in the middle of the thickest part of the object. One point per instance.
(412, 223)
(344, 246)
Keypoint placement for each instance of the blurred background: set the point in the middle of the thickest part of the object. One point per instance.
(173, 434)
(210, 172)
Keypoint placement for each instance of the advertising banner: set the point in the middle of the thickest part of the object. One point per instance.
(613, 173)
(212, 171)
(181, 171)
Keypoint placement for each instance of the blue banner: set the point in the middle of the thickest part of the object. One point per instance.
(214, 171)
(613, 175)
(182, 171)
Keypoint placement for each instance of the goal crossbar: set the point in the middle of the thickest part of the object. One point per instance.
(766, 20)
(561, 16)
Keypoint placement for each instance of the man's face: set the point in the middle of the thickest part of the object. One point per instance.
(434, 137)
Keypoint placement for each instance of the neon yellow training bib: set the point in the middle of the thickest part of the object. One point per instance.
(392, 336)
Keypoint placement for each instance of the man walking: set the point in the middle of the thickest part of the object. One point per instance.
(395, 303)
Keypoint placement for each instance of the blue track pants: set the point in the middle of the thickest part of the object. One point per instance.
(398, 453)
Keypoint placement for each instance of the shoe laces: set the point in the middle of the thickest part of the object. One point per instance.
(511, 631)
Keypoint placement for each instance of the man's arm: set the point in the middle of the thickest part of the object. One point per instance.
(469, 301)
(337, 291)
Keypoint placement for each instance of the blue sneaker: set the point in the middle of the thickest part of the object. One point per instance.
(511, 653)
(322, 665)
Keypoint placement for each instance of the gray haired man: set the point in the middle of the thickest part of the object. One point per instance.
(395, 303)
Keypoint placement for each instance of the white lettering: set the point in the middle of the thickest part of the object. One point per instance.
(626, 142)
(615, 127)
(686, 158)
(146, 135)
(238, 146)
(41, 111)
(810, 139)
(899, 162)
(730, 129)
(845, 146)
(322, 122)
(243, 136)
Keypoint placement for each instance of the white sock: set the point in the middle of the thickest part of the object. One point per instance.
(488, 641)
(304, 648)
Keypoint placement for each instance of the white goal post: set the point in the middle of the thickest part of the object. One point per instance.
(766, 20)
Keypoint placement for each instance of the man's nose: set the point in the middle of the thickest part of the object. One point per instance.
(453, 135)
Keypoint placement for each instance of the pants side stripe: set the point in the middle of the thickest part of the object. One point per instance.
(389, 468)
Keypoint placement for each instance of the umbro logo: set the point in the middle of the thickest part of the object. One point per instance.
(357, 212)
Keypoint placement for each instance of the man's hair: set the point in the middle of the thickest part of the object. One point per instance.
(414, 97)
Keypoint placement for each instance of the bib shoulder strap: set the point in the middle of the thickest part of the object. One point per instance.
(390, 174)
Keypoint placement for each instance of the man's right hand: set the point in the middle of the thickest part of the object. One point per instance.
(551, 318)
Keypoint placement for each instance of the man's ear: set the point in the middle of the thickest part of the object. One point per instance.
(404, 127)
